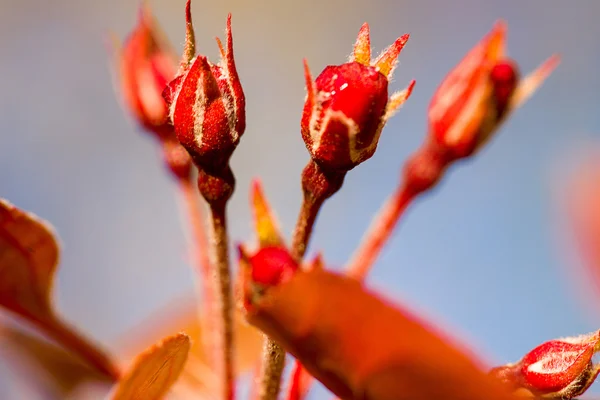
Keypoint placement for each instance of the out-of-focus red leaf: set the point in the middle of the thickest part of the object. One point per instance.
(28, 260)
(29, 255)
(584, 211)
(361, 347)
(183, 316)
(154, 371)
(50, 367)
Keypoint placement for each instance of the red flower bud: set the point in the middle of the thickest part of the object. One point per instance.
(272, 265)
(146, 63)
(560, 368)
(347, 105)
(268, 267)
(207, 104)
(478, 94)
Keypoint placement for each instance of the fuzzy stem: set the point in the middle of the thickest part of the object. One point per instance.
(422, 171)
(217, 187)
(304, 225)
(199, 252)
(199, 237)
(318, 185)
(381, 230)
(271, 369)
(223, 302)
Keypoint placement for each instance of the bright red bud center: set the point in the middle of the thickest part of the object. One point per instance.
(272, 265)
(554, 365)
(357, 90)
(504, 78)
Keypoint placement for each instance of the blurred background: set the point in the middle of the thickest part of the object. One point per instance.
(488, 255)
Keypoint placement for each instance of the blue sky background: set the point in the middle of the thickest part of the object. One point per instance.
(485, 254)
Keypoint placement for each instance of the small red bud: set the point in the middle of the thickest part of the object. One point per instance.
(560, 368)
(504, 77)
(146, 64)
(347, 106)
(272, 266)
(478, 94)
(207, 104)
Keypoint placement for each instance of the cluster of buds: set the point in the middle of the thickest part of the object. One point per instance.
(198, 112)
(558, 369)
(469, 106)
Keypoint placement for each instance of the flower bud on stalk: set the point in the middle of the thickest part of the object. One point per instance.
(469, 106)
(207, 110)
(558, 369)
(146, 63)
(347, 106)
(207, 104)
(345, 110)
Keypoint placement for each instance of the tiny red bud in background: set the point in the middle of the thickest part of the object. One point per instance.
(347, 105)
(560, 368)
(272, 266)
(504, 77)
(478, 94)
(146, 64)
(267, 267)
(207, 104)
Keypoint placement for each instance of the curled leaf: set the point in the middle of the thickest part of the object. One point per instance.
(29, 255)
(360, 347)
(49, 367)
(154, 371)
(28, 260)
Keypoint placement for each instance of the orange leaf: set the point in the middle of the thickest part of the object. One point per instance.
(183, 316)
(28, 260)
(154, 371)
(50, 368)
(29, 256)
(360, 347)
(265, 222)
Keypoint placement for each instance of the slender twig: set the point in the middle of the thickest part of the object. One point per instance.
(318, 186)
(304, 225)
(382, 228)
(271, 369)
(216, 187)
(199, 239)
(200, 255)
(422, 171)
(222, 302)
(274, 362)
